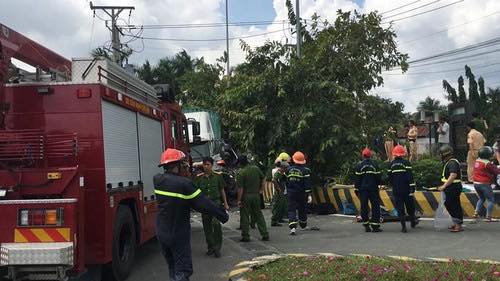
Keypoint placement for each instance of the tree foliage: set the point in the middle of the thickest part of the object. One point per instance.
(430, 105)
(318, 104)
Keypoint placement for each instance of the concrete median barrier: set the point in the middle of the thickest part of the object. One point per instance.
(426, 201)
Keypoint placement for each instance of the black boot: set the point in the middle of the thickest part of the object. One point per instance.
(376, 228)
(414, 222)
(403, 227)
(367, 228)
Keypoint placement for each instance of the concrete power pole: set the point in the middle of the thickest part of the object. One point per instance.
(227, 41)
(299, 38)
(113, 12)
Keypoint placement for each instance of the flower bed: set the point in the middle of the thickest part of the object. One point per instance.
(369, 268)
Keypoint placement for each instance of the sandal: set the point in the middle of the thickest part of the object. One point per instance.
(456, 228)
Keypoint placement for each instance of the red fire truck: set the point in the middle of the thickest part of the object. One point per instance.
(80, 142)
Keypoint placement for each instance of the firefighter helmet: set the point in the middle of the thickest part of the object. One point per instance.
(299, 158)
(284, 157)
(366, 153)
(445, 151)
(398, 151)
(486, 152)
(171, 155)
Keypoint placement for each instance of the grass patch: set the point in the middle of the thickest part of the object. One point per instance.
(371, 268)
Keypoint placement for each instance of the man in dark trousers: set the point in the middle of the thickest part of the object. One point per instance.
(367, 182)
(250, 182)
(298, 189)
(176, 195)
(452, 187)
(403, 186)
(212, 185)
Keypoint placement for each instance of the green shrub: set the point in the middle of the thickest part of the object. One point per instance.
(427, 172)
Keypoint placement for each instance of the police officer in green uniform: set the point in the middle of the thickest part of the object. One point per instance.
(250, 181)
(212, 185)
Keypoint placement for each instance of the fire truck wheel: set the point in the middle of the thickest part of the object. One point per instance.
(124, 245)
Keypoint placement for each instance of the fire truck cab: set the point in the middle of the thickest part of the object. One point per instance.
(80, 143)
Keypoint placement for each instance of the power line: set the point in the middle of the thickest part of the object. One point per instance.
(449, 28)
(400, 7)
(480, 45)
(413, 9)
(424, 12)
(205, 40)
(444, 71)
(202, 25)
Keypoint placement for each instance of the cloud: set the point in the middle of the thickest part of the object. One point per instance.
(69, 28)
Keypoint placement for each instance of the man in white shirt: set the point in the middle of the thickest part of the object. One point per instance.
(444, 132)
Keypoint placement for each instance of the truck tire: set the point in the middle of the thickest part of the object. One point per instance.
(124, 246)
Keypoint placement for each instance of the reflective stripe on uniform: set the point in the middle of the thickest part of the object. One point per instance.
(443, 179)
(367, 172)
(398, 171)
(178, 195)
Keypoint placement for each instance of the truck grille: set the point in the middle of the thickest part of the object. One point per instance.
(32, 145)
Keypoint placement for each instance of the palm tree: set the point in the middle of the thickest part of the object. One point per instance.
(430, 105)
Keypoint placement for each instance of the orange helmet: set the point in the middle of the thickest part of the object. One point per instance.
(366, 153)
(398, 151)
(221, 162)
(299, 158)
(171, 155)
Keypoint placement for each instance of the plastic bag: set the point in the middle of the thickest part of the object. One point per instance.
(442, 219)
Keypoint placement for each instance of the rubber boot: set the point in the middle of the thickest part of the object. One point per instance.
(414, 223)
(403, 227)
(367, 228)
(376, 228)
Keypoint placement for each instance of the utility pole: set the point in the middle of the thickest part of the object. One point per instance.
(299, 37)
(113, 12)
(227, 41)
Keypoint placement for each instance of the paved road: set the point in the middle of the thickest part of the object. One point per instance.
(337, 235)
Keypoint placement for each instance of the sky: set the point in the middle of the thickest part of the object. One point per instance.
(424, 28)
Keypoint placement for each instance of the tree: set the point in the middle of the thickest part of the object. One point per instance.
(452, 93)
(106, 53)
(473, 91)
(462, 97)
(430, 105)
(317, 104)
(168, 71)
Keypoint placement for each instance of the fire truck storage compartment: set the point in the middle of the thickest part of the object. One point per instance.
(150, 147)
(121, 146)
(132, 147)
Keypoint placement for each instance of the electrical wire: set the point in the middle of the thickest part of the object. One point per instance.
(203, 25)
(205, 40)
(443, 71)
(413, 9)
(424, 12)
(449, 28)
(400, 7)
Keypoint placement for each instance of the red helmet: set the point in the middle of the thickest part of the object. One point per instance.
(398, 151)
(366, 153)
(171, 155)
(299, 158)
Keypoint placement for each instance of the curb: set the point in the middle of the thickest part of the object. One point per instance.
(426, 201)
(236, 274)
